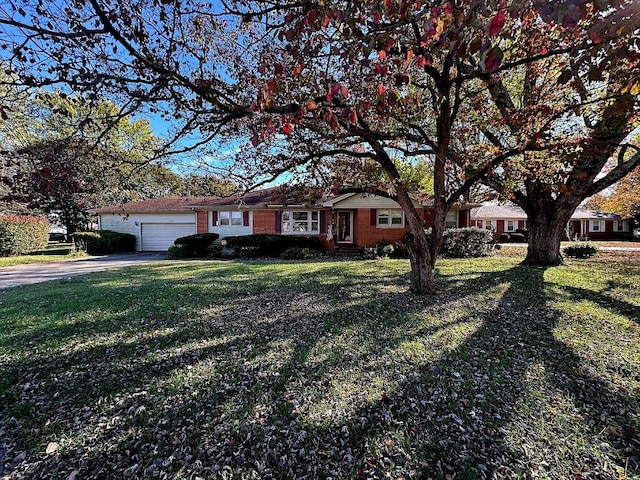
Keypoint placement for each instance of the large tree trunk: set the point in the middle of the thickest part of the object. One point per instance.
(546, 229)
(422, 276)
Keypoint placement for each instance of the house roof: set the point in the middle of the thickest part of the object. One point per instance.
(586, 214)
(256, 198)
(493, 212)
(512, 212)
(153, 205)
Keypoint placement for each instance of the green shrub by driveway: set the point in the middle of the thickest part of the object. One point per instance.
(21, 234)
(102, 242)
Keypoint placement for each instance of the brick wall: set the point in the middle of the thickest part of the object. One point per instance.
(367, 235)
(264, 221)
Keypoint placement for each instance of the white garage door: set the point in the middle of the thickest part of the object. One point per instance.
(158, 237)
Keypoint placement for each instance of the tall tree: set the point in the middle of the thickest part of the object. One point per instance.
(623, 200)
(579, 116)
(308, 82)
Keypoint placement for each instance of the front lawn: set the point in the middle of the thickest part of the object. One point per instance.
(324, 370)
(53, 254)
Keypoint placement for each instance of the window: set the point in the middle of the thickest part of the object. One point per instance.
(509, 226)
(294, 221)
(229, 219)
(596, 225)
(620, 226)
(451, 220)
(389, 218)
(487, 225)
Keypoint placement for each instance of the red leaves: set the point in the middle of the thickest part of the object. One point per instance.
(495, 27)
(492, 59)
(279, 69)
(298, 70)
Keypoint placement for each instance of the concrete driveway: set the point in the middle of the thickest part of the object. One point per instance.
(42, 272)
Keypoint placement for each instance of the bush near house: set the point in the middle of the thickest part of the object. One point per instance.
(580, 250)
(391, 250)
(504, 238)
(105, 241)
(178, 252)
(21, 234)
(194, 246)
(266, 245)
(467, 242)
(517, 237)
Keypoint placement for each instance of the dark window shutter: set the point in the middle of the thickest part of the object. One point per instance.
(373, 216)
(278, 224)
(214, 218)
(323, 221)
(245, 218)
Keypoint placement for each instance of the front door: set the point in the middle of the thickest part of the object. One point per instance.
(344, 233)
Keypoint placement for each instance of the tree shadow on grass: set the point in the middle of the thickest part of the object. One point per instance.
(340, 379)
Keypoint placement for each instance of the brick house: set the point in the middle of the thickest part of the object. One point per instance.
(584, 223)
(347, 221)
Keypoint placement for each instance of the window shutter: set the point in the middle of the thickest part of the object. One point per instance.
(278, 225)
(323, 221)
(214, 218)
(373, 216)
(245, 218)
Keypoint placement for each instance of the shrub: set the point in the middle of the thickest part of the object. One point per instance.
(20, 234)
(214, 250)
(504, 237)
(297, 253)
(524, 232)
(384, 249)
(250, 252)
(580, 250)
(272, 245)
(517, 237)
(467, 242)
(400, 250)
(105, 241)
(197, 245)
(178, 252)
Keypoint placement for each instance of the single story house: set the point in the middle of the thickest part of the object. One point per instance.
(155, 223)
(584, 223)
(346, 221)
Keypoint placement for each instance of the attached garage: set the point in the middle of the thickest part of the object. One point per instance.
(158, 237)
(155, 223)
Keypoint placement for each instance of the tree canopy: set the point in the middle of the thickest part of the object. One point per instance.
(296, 85)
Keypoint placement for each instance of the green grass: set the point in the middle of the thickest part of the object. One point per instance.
(324, 369)
(48, 255)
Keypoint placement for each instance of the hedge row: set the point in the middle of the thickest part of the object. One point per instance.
(103, 242)
(265, 245)
(467, 242)
(192, 246)
(20, 234)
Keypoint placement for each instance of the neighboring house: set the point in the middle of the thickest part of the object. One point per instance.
(499, 218)
(351, 220)
(583, 224)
